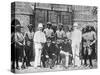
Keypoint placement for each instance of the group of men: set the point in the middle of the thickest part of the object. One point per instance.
(47, 45)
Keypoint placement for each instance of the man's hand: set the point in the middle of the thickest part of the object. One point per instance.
(53, 54)
(47, 56)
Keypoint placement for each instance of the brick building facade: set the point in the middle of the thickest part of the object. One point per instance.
(33, 13)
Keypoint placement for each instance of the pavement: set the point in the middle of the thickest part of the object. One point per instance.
(55, 68)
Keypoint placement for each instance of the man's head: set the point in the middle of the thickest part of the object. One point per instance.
(30, 26)
(48, 40)
(75, 25)
(60, 26)
(49, 25)
(40, 26)
(18, 28)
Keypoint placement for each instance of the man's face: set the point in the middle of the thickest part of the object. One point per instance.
(19, 28)
(48, 26)
(66, 41)
(74, 27)
(40, 28)
(60, 27)
(30, 28)
(48, 42)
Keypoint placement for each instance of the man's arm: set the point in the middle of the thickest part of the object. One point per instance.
(94, 35)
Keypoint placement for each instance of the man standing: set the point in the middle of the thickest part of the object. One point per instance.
(29, 44)
(60, 35)
(19, 44)
(90, 40)
(48, 31)
(39, 40)
(68, 35)
(76, 40)
(60, 32)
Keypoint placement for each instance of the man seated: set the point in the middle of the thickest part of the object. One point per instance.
(49, 54)
(66, 52)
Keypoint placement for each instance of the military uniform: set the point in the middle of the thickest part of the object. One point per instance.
(19, 45)
(48, 32)
(29, 46)
(89, 46)
(60, 37)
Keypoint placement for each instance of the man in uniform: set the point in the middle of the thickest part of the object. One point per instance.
(60, 35)
(19, 44)
(90, 41)
(76, 38)
(68, 35)
(60, 32)
(29, 35)
(48, 31)
(39, 40)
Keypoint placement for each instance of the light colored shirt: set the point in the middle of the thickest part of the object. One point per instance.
(68, 35)
(30, 34)
(19, 37)
(60, 34)
(39, 37)
(76, 36)
(48, 32)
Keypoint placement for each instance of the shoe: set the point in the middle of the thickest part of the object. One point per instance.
(85, 65)
(13, 70)
(90, 66)
(23, 67)
(39, 66)
(29, 65)
(17, 68)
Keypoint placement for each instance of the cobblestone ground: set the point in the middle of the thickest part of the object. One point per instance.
(55, 68)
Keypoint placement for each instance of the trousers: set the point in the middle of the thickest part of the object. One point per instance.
(38, 51)
(66, 57)
(76, 51)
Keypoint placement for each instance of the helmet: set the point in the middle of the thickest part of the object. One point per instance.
(40, 25)
(49, 23)
(75, 24)
(60, 24)
(18, 26)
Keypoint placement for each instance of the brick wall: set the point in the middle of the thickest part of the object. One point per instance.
(82, 14)
(22, 12)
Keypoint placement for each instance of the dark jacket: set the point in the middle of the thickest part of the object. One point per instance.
(52, 49)
(67, 47)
